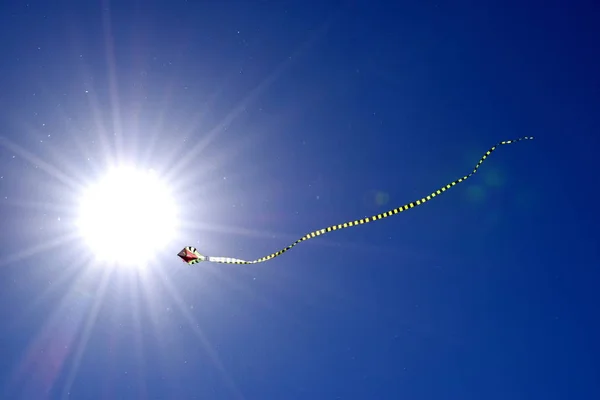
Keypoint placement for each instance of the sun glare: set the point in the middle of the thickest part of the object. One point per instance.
(127, 217)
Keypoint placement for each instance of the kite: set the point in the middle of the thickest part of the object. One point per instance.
(191, 256)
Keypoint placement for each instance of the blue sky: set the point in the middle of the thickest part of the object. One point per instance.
(271, 119)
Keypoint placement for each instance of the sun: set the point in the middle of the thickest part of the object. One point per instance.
(127, 217)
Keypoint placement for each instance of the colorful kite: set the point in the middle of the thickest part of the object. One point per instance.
(191, 256)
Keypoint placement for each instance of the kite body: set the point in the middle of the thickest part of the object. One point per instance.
(191, 256)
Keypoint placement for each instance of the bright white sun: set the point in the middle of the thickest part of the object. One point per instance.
(127, 217)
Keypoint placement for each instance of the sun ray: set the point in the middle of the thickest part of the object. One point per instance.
(210, 350)
(90, 322)
(56, 337)
(45, 166)
(39, 249)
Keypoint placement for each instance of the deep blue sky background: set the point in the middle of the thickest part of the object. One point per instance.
(310, 114)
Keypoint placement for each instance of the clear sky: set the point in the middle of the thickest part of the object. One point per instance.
(267, 120)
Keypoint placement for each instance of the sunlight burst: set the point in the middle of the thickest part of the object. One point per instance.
(127, 217)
